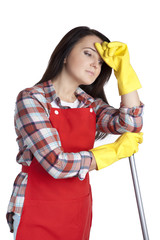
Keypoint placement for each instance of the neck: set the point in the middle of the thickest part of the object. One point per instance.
(65, 87)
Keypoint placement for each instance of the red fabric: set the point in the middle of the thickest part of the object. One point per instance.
(25, 169)
(60, 208)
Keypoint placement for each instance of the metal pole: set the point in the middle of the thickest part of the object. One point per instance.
(138, 197)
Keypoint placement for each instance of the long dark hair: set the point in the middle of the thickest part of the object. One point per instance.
(63, 49)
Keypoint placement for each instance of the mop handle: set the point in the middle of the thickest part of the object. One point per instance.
(138, 197)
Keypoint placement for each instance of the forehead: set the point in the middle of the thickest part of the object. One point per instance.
(89, 41)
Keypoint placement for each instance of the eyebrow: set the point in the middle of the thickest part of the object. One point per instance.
(90, 48)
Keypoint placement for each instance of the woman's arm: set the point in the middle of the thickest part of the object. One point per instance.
(130, 100)
(117, 121)
(116, 55)
(93, 165)
(42, 140)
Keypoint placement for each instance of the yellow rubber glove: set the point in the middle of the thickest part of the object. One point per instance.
(125, 146)
(116, 55)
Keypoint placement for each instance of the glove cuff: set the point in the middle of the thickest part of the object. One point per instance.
(106, 157)
(127, 80)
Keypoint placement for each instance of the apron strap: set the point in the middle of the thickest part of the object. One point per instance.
(25, 169)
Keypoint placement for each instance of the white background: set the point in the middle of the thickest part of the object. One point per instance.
(30, 30)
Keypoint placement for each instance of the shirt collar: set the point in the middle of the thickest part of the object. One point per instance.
(51, 95)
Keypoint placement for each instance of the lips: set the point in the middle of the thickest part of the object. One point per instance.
(90, 72)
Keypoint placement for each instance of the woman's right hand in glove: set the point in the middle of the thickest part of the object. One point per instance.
(125, 146)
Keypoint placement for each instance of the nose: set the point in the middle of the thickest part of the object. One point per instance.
(95, 63)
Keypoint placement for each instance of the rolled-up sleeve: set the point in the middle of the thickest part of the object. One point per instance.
(38, 136)
(117, 121)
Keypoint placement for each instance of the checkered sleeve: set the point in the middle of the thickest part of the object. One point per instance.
(33, 124)
(117, 121)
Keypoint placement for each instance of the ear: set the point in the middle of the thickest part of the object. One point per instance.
(65, 60)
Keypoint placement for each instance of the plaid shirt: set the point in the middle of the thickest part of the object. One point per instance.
(37, 138)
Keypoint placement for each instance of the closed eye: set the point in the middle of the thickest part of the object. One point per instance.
(87, 53)
(90, 55)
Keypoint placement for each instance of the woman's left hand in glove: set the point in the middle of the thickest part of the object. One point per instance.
(116, 55)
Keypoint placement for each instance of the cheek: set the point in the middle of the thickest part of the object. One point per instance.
(76, 63)
(73, 67)
(98, 71)
(79, 59)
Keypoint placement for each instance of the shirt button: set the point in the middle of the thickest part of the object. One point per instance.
(91, 109)
(82, 176)
(56, 112)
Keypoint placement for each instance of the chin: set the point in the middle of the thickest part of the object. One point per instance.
(89, 82)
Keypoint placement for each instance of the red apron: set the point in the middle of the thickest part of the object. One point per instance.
(60, 209)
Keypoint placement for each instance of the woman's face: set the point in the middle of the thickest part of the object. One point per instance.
(84, 63)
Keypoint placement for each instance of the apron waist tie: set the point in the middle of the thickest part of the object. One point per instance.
(25, 169)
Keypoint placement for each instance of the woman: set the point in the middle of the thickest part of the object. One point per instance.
(57, 122)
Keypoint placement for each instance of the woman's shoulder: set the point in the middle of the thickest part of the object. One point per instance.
(33, 99)
(33, 92)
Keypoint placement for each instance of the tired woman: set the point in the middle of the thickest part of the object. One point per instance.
(57, 122)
